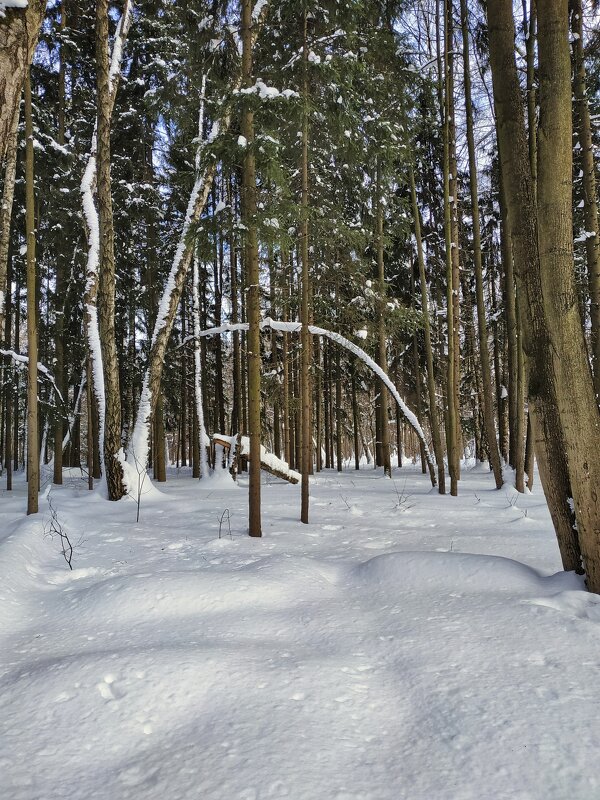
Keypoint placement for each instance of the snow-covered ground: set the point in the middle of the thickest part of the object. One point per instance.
(403, 645)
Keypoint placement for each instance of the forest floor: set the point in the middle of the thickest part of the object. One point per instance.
(403, 646)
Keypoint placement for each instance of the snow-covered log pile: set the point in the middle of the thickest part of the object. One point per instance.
(268, 461)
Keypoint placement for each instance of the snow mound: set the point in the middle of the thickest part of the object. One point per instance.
(459, 572)
(573, 604)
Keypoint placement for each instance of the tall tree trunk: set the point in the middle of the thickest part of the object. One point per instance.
(304, 309)
(8, 400)
(203, 441)
(433, 411)
(555, 232)
(182, 261)
(106, 286)
(8, 194)
(583, 129)
(61, 285)
(382, 334)
(33, 453)
(105, 105)
(252, 271)
(19, 31)
(452, 288)
(550, 444)
(484, 359)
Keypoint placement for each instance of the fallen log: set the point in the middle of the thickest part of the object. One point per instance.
(268, 461)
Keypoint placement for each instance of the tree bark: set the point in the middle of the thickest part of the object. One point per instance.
(107, 280)
(575, 389)
(549, 438)
(583, 129)
(33, 453)
(8, 194)
(305, 312)
(249, 210)
(433, 411)
(484, 358)
(19, 32)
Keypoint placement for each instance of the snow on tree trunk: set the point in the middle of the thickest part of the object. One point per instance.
(138, 448)
(90, 213)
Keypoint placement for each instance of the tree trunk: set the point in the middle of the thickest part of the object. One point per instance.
(583, 129)
(575, 389)
(433, 411)
(452, 289)
(484, 359)
(306, 390)
(33, 453)
(252, 272)
(381, 334)
(522, 218)
(8, 194)
(19, 31)
(106, 274)
(182, 261)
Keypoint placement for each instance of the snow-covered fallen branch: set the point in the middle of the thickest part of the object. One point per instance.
(268, 461)
(295, 327)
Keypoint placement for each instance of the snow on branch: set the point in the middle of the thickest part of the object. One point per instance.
(295, 327)
(18, 358)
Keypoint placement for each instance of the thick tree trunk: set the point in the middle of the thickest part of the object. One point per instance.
(19, 31)
(583, 129)
(522, 218)
(575, 389)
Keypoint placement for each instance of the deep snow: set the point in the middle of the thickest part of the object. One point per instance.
(402, 646)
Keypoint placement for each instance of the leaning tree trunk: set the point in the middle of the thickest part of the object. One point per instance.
(522, 219)
(19, 31)
(577, 404)
(171, 296)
